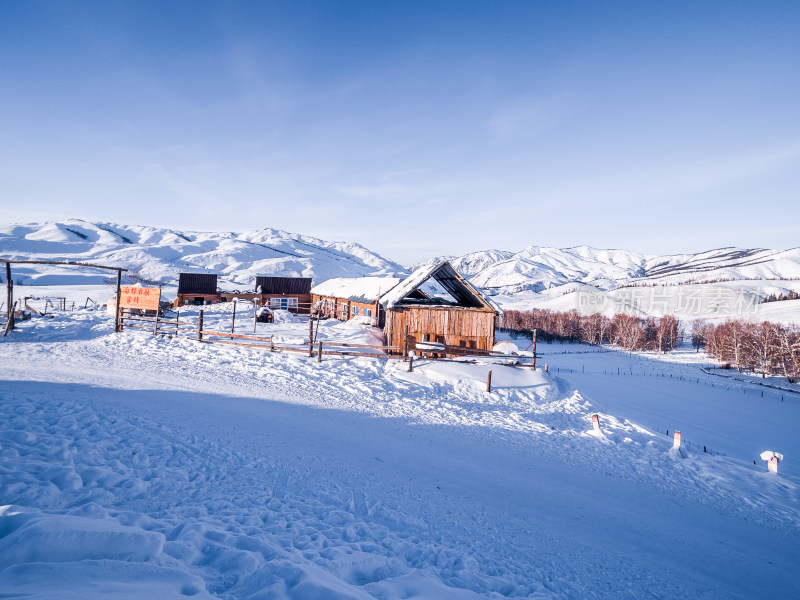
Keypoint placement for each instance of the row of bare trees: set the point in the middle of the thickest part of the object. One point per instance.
(767, 348)
(627, 331)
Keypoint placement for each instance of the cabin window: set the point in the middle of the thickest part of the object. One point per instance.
(367, 312)
(355, 311)
(283, 303)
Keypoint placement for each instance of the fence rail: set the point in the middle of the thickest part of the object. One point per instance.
(194, 329)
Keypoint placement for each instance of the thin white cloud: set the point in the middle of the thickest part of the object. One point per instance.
(527, 117)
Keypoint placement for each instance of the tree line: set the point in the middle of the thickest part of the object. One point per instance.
(626, 331)
(766, 348)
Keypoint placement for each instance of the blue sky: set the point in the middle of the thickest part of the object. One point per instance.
(414, 128)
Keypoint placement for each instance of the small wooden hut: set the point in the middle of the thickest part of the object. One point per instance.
(197, 288)
(435, 304)
(449, 310)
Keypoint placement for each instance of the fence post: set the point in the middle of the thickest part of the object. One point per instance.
(772, 465)
(410, 364)
(595, 423)
(233, 320)
(272, 343)
(177, 320)
(200, 326)
(533, 362)
(319, 352)
(405, 344)
(155, 327)
(489, 381)
(310, 336)
(117, 323)
(10, 300)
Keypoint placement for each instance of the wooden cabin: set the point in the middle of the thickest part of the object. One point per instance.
(285, 293)
(197, 288)
(437, 304)
(278, 293)
(344, 298)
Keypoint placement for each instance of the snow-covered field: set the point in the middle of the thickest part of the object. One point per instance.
(715, 303)
(135, 466)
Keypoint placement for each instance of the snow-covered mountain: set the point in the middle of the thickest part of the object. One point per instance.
(159, 255)
(538, 268)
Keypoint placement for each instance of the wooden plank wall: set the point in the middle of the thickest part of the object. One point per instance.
(454, 326)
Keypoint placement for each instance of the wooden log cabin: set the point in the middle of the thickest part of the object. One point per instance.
(197, 288)
(449, 310)
(345, 298)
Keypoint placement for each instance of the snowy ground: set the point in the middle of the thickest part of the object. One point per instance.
(139, 466)
(715, 303)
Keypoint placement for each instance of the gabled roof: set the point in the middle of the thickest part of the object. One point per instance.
(365, 290)
(462, 291)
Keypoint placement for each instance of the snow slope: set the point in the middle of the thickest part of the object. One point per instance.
(160, 254)
(139, 466)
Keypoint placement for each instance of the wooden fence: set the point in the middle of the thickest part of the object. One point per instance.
(173, 326)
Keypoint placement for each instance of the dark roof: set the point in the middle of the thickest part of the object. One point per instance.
(284, 285)
(197, 283)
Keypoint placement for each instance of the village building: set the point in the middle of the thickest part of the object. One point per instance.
(344, 298)
(434, 304)
(197, 288)
(437, 304)
(285, 293)
(278, 293)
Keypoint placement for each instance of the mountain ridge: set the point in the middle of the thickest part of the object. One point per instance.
(159, 254)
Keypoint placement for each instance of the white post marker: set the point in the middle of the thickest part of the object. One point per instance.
(676, 442)
(595, 423)
(772, 458)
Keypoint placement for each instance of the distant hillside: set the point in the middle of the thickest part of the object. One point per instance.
(534, 276)
(158, 255)
(536, 268)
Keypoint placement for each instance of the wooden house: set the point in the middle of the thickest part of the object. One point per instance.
(347, 297)
(197, 288)
(278, 293)
(434, 304)
(437, 304)
(285, 293)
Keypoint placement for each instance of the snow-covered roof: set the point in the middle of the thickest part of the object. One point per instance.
(356, 289)
(464, 293)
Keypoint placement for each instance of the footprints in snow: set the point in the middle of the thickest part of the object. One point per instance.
(281, 483)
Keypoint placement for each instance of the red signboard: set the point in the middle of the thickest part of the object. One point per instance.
(132, 296)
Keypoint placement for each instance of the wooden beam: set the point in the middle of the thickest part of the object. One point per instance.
(62, 263)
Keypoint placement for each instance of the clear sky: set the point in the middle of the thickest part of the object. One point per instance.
(414, 128)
